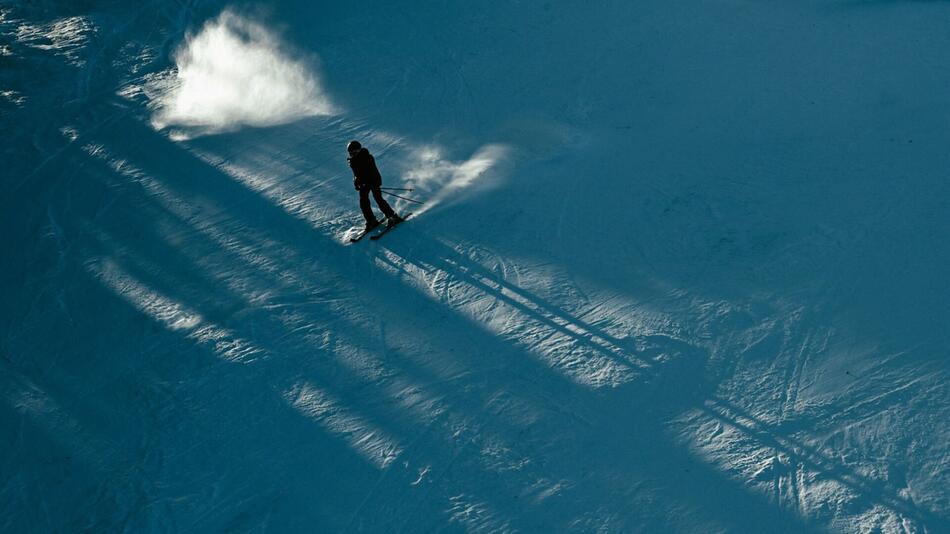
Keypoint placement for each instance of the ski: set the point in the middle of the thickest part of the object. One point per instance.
(364, 233)
(385, 230)
(360, 235)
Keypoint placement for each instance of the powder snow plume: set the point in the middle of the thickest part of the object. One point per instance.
(235, 72)
(449, 181)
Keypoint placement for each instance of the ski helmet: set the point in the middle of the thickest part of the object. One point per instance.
(353, 146)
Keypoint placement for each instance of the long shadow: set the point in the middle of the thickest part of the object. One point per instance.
(868, 491)
(658, 459)
(204, 445)
(255, 212)
(215, 195)
(144, 253)
(481, 279)
(657, 474)
(478, 276)
(190, 464)
(617, 426)
(573, 326)
(346, 386)
(180, 285)
(436, 256)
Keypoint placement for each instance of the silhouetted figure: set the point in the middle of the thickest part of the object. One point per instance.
(366, 179)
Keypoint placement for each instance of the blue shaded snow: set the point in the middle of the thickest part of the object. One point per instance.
(681, 267)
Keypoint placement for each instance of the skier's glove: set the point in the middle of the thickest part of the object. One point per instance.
(356, 184)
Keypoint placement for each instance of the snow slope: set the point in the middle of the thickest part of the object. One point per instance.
(681, 267)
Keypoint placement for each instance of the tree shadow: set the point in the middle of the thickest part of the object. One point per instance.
(609, 445)
(869, 492)
(673, 382)
(638, 353)
(141, 253)
(601, 486)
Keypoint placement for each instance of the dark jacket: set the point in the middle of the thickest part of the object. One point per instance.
(365, 173)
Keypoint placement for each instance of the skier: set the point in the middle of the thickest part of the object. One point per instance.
(366, 179)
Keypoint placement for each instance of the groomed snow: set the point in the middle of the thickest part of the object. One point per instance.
(681, 267)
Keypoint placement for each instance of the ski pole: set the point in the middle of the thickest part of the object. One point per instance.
(404, 198)
(396, 189)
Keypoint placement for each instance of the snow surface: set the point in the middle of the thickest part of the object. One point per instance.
(682, 267)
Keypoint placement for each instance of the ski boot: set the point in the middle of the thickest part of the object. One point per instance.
(393, 220)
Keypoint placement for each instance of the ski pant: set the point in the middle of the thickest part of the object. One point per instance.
(367, 209)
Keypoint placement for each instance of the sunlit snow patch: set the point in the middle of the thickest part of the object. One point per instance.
(175, 316)
(319, 405)
(235, 72)
(66, 37)
(12, 97)
(475, 515)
